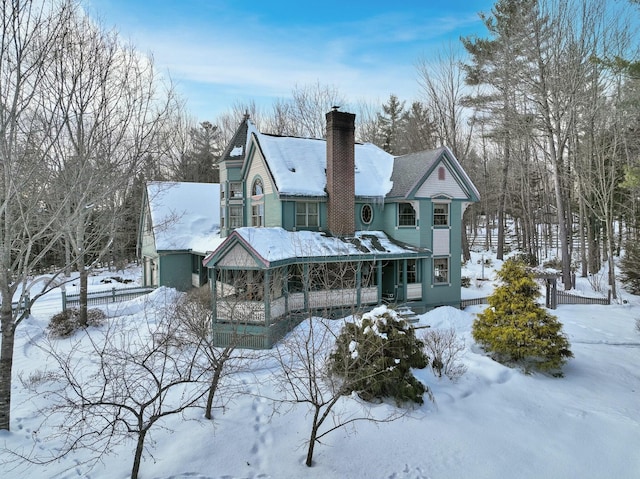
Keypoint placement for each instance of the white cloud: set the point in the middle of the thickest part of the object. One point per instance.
(366, 59)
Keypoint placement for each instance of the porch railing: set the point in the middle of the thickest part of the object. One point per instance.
(232, 309)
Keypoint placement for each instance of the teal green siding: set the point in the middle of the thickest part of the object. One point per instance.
(272, 210)
(175, 271)
(289, 215)
(406, 234)
(377, 223)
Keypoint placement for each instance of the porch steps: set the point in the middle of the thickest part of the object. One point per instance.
(407, 314)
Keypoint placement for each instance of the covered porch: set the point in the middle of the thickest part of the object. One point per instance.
(255, 302)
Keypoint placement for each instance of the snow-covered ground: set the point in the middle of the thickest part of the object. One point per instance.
(494, 422)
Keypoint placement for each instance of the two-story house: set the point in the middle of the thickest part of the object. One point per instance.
(319, 225)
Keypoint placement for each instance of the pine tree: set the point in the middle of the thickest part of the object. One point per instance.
(374, 357)
(515, 329)
(630, 267)
(200, 162)
(391, 124)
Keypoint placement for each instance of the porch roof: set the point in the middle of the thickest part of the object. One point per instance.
(271, 247)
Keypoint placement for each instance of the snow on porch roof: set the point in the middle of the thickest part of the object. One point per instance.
(299, 166)
(185, 216)
(277, 244)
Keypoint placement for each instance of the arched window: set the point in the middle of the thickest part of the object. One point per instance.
(257, 188)
(257, 203)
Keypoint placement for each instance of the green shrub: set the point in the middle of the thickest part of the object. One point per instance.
(67, 322)
(374, 356)
(514, 329)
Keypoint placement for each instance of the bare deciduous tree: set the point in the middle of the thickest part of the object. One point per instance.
(220, 362)
(303, 357)
(115, 109)
(138, 376)
(32, 34)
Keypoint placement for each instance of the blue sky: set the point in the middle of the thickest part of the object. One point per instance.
(223, 52)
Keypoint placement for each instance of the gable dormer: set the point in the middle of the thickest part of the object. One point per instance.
(431, 174)
(441, 183)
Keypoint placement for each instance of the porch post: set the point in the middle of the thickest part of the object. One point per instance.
(359, 284)
(379, 280)
(404, 279)
(305, 273)
(285, 288)
(213, 284)
(266, 297)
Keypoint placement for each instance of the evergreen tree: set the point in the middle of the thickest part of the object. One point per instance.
(419, 132)
(391, 123)
(515, 329)
(200, 162)
(374, 356)
(630, 267)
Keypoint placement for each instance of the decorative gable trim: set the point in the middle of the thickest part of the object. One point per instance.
(258, 167)
(433, 186)
(237, 256)
(235, 252)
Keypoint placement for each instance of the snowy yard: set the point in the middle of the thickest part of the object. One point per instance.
(494, 422)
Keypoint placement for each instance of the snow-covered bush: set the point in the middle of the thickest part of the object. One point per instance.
(444, 349)
(374, 356)
(514, 329)
(67, 322)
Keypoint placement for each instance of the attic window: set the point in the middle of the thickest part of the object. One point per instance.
(441, 173)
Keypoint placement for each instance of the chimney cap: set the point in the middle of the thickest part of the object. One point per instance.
(335, 107)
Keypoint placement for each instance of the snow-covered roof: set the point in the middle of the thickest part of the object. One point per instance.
(278, 244)
(298, 166)
(185, 216)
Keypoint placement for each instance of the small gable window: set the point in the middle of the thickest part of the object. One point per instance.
(366, 214)
(442, 173)
(440, 214)
(406, 215)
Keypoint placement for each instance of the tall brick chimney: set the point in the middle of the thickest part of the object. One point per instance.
(341, 173)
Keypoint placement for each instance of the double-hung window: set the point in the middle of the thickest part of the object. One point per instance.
(440, 270)
(306, 215)
(235, 190)
(441, 214)
(257, 215)
(235, 216)
(406, 215)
